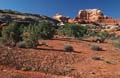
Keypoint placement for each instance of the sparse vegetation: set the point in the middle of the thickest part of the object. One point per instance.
(103, 34)
(96, 48)
(50, 63)
(108, 62)
(10, 33)
(113, 36)
(97, 58)
(30, 36)
(13, 33)
(72, 30)
(68, 48)
(99, 37)
(62, 50)
(46, 30)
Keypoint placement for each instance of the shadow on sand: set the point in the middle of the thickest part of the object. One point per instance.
(59, 50)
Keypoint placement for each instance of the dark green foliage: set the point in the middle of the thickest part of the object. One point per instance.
(11, 33)
(46, 30)
(96, 48)
(30, 36)
(31, 33)
(68, 48)
(14, 33)
(72, 30)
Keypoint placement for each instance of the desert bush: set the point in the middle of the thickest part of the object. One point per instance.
(91, 33)
(98, 39)
(103, 34)
(53, 63)
(96, 48)
(97, 58)
(108, 62)
(113, 37)
(46, 30)
(14, 33)
(30, 36)
(68, 48)
(11, 33)
(72, 30)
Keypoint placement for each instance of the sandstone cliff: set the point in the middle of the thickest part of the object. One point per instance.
(94, 16)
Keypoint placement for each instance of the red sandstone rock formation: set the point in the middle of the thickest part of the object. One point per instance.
(95, 16)
(90, 14)
(60, 17)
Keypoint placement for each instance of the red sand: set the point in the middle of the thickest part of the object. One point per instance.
(87, 68)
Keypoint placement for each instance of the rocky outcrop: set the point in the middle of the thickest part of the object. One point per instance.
(90, 14)
(61, 18)
(23, 18)
(94, 16)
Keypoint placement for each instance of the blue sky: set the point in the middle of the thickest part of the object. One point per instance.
(65, 7)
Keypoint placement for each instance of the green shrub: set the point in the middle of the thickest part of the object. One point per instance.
(30, 36)
(103, 34)
(72, 30)
(91, 33)
(99, 37)
(46, 30)
(14, 33)
(68, 48)
(10, 33)
(96, 48)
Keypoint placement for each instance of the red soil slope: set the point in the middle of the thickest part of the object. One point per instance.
(80, 60)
